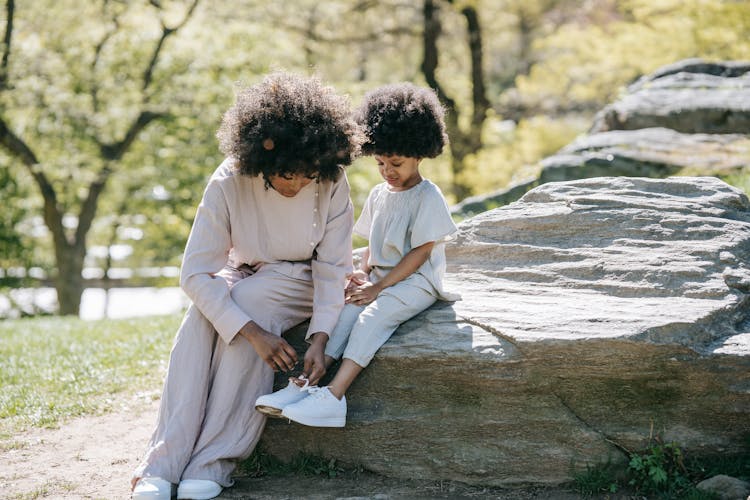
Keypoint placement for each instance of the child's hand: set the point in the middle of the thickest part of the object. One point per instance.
(358, 277)
(363, 294)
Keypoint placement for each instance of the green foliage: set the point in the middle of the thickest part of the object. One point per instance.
(739, 179)
(584, 63)
(15, 247)
(597, 479)
(512, 152)
(53, 369)
(660, 468)
(261, 463)
(734, 465)
(76, 81)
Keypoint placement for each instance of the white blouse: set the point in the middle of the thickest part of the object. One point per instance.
(309, 236)
(395, 222)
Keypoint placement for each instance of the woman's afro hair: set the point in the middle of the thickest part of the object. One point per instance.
(402, 119)
(289, 124)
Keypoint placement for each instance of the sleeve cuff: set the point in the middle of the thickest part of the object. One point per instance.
(229, 323)
(321, 323)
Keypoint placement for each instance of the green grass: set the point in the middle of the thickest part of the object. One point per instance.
(602, 478)
(55, 368)
(262, 463)
(43, 490)
(740, 179)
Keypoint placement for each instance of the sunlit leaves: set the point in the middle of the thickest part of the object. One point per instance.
(589, 63)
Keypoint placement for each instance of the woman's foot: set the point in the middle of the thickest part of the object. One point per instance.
(198, 489)
(152, 488)
(272, 404)
(320, 409)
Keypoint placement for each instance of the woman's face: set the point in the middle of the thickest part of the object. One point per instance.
(400, 172)
(289, 184)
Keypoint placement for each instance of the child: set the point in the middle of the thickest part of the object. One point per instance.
(406, 220)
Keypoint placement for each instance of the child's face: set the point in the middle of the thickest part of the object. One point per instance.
(400, 172)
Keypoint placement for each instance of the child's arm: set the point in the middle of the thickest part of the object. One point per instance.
(407, 266)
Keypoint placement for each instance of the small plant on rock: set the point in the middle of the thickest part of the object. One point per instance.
(659, 469)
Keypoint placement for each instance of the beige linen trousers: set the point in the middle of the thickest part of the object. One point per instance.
(253, 255)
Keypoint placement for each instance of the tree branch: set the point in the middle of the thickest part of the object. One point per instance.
(20, 150)
(115, 151)
(88, 208)
(148, 74)
(367, 37)
(15, 146)
(112, 152)
(9, 7)
(97, 54)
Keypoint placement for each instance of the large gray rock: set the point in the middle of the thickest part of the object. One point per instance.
(594, 312)
(692, 96)
(652, 152)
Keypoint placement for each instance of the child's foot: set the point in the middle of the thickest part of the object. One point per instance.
(272, 404)
(320, 409)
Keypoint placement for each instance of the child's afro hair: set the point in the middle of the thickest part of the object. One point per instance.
(289, 124)
(402, 119)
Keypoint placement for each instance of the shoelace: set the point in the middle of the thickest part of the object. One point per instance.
(307, 383)
(313, 390)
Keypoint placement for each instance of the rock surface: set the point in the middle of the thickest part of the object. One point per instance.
(726, 488)
(594, 312)
(691, 117)
(692, 96)
(652, 152)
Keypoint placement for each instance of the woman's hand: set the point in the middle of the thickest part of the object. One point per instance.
(275, 351)
(363, 294)
(315, 366)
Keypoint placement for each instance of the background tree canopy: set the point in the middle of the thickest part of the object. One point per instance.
(108, 108)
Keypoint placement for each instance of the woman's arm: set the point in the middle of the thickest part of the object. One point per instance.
(407, 266)
(331, 265)
(332, 262)
(206, 254)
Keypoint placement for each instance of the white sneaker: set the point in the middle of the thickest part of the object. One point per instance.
(152, 488)
(198, 489)
(320, 409)
(272, 404)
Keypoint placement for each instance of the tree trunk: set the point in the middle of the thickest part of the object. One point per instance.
(463, 142)
(462, 145)
(69, 282)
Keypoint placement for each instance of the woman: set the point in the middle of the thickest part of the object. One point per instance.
(270, 247)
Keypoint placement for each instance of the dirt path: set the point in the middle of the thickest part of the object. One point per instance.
(89, 457)
(92, 458)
